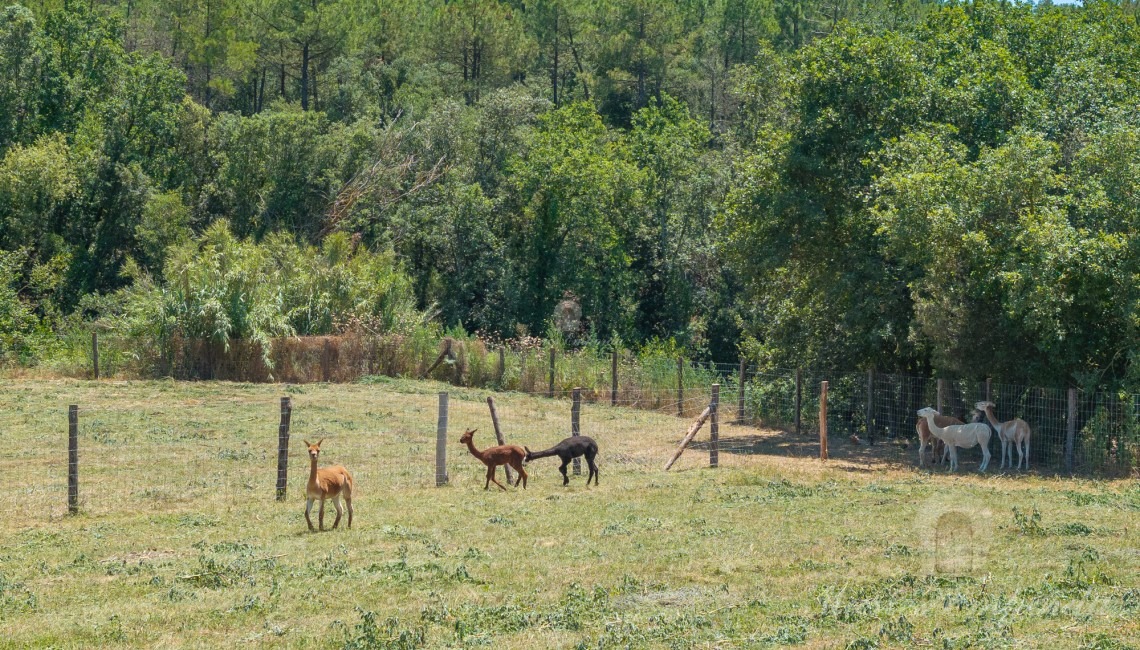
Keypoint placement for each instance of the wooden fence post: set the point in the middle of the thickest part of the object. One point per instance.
(498, 431)
(799, 397)
(823, 420)
(614, 380)
(939, 398)
(1071, 430)
(714, 427)
(95, 354)
(283, 447)
(576, 425)
(680, 386)
(989, 389)
(502, 366)
(550, 388)
(441, 443)
(73, 459)
(740, 391)
(870, 411)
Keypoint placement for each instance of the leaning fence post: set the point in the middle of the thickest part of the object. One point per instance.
(870, 411)
(283, 447)
(576, 424)
(740, 393)
(714, 427)
(1071, 430)
(441, 443)
(498, 431)
(73, 459)
(550, 388)
(799, 396)
(680, 386)
(823, 420)
(614, 380)
(95, 354)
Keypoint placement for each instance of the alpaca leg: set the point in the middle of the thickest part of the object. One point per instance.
(339, 511)
(565, 476)
(921, 452)
(1027, 454)
(492, 479)
(321, 516)
(517, 464)
(985, 458)
(308, 509)
(348, 504)
(953, 457)
(593, 471)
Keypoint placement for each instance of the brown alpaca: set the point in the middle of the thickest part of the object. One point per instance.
(492, 457)
(926, 438)
(327, 483)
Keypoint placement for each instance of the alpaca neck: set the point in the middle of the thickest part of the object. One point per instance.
(474, 452)
(313, 472)
(990, 416)
(935, 430)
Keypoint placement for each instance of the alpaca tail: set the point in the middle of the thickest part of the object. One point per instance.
(531, 455)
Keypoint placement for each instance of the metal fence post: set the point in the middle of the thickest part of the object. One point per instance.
(283, 447)
(823, 420)
(441, 443)
(614, 380)
(799, 397)
(550, 388)
(1071, 430)
(680, 386)
(714, 427)
(870, 410)
(73, 459)
(576, 424)
(95, 354)
(740, 391)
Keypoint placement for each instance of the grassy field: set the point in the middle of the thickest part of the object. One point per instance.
(179, 542)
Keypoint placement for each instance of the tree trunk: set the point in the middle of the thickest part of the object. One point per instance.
(305, 77)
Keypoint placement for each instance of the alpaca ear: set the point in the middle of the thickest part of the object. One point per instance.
(474, 430)
(307, 443)
(319, 442)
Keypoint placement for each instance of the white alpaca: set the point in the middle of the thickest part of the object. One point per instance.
(1015, 432)
(960, 435)
(926, 438)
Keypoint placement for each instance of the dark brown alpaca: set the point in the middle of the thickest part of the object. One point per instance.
(492, 457)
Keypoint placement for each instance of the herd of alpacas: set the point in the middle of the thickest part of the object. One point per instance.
(330, 483)
(945, 434)
(942, 433)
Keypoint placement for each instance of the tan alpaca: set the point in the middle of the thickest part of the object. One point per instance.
(492, 457)
(327, 483)
(1014, 432)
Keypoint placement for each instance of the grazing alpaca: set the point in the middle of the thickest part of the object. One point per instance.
(567, 450)
(492, 457)
(327, 483)
(926, 438)
(1015, 432)
(960, 435)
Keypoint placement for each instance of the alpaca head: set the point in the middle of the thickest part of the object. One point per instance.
(314, 450)
(923, 412)
(526, 459)
(982, 406)
(467, 436)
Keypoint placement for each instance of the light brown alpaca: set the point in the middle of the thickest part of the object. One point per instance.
(1013, 432)
(927, 438)
(327, 483)
(492, 457)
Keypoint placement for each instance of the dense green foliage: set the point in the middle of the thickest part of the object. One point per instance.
(917, 187)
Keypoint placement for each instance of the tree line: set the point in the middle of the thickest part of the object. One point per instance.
(946, 188)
